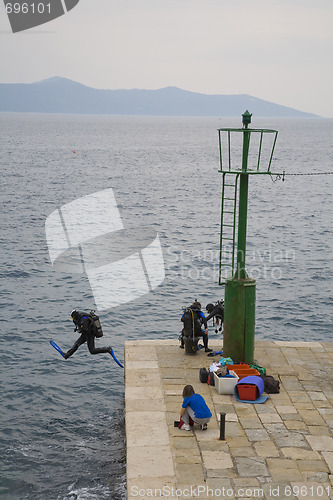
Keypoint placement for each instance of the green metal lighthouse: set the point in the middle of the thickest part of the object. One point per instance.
(253, 149)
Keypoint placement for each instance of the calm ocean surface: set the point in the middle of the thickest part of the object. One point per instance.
(62, 425)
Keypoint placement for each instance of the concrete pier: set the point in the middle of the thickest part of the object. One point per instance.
(282, 448)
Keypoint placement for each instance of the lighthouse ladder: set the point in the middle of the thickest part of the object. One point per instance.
(228, 226)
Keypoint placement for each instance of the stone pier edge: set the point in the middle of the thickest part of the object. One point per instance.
(281, 446)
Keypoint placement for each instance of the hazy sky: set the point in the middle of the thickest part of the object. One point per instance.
(278, 50)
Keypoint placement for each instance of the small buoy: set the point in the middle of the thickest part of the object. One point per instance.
(74, 152)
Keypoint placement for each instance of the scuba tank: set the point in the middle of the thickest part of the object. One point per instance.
(97, 324)
(192, 324)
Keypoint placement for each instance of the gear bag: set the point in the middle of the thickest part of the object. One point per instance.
(203, 375)
(211, 379)
(271, 386)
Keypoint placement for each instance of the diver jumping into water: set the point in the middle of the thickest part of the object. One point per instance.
(90, 327)
(85, 325)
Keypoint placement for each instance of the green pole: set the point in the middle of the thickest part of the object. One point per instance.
(239, 312)
(243, 198)
(239, 320)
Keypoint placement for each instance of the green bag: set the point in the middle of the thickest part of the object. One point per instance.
(260, 369)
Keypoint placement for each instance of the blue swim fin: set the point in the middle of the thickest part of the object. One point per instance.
(57, 348)
(116, 360)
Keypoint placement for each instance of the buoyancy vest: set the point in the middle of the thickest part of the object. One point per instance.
(88, 323)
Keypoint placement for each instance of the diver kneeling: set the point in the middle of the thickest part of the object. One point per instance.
(193, 318)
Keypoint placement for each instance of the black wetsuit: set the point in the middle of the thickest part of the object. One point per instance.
(85, 325)
(218, 311)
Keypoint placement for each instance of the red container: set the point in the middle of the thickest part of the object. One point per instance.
(246, 372)
(247, 392)
(240, 366)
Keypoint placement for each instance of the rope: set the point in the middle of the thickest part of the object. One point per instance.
(281, 176)
(313, 173)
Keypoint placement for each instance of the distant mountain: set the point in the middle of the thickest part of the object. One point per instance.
(60, 95)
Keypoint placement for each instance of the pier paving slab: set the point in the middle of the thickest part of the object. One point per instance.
(275, 447)
(295, 425)
(266, 449)
(320, 443)
(328, 456)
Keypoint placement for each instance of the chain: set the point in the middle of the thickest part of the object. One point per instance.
(313, 173)
(278, 177)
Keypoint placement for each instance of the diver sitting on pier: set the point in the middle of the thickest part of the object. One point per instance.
(193, 318)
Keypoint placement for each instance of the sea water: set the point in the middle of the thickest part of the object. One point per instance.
(62, 422)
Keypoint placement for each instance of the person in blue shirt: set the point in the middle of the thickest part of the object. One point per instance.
(193, 408)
